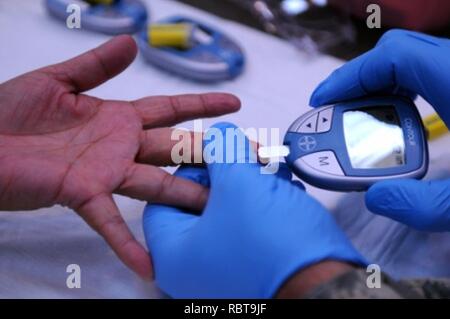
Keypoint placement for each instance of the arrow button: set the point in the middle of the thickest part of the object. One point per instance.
(324, 123)
(309, 125)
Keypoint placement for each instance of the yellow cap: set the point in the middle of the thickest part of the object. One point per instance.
(434, 126)
(172, 35)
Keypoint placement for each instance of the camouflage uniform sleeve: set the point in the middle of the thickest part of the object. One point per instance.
(353, 285)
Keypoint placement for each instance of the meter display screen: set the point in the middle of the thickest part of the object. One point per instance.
(374, 137)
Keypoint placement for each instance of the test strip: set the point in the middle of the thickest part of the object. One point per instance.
(268, 152)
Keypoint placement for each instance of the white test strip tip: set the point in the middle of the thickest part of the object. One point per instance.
(273, 151)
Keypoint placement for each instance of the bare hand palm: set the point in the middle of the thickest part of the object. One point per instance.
(58, 146)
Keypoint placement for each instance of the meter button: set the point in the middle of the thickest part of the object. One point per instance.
(325, 162)
(324, 120)
(309, 125)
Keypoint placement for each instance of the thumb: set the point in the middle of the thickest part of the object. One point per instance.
(343, 84)
(424, 205)
(367, 74)
(398, 64)
(96, 66)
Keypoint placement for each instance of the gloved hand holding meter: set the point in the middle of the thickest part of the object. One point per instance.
(407, 63)
(352, 145)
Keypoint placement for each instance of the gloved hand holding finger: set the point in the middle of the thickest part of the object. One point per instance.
(254, 233)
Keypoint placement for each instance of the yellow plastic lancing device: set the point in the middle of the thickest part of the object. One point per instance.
(434, 126)
(170, 35)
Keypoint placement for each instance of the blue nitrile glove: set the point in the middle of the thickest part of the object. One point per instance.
(254, 233)
(409, 63)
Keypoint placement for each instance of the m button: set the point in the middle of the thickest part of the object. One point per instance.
(325, 162)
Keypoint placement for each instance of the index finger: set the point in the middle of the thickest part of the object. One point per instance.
(159, 111)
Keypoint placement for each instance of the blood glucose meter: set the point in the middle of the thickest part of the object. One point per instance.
(351, 145)
(213, 56)
(110, 17)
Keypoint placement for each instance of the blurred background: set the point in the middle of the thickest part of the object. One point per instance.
(338, 26)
